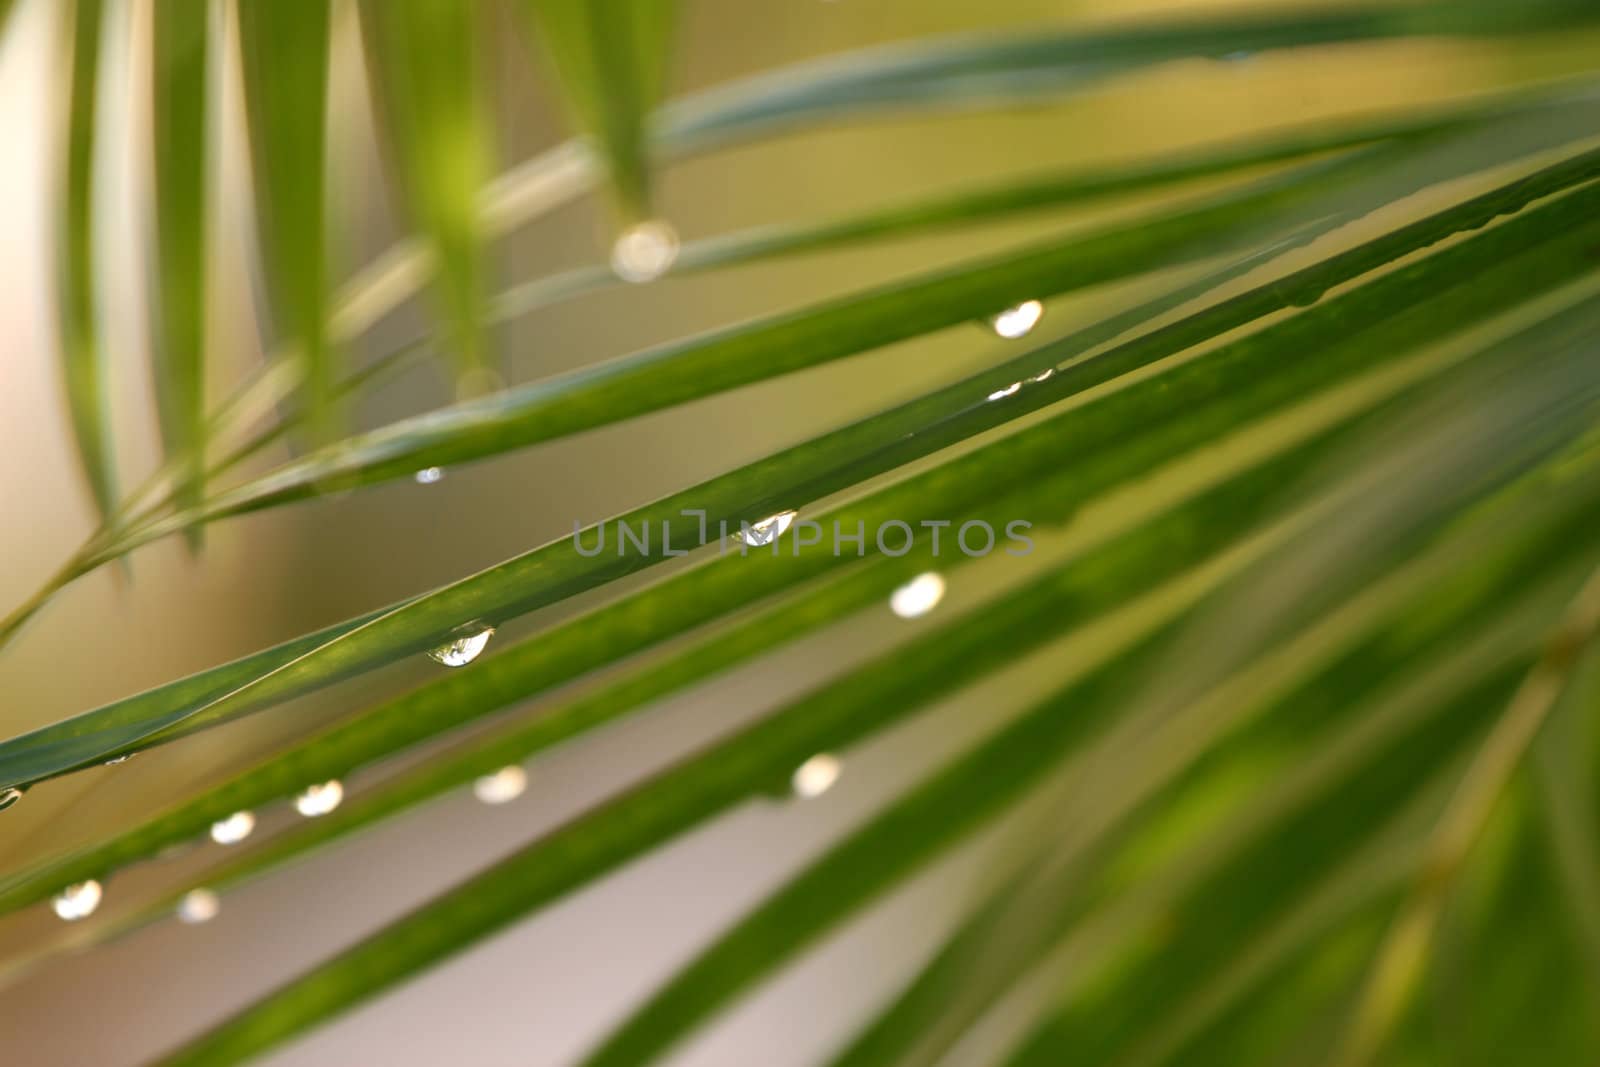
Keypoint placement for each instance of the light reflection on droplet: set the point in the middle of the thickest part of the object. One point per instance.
(767, 530)
(816, 775)
(77, 901)
(1010, 390)
(234, 828)
(199, 906)
(428, 475)
(501, 787)
(644, 252)
(124, 758)
(9, 796)
(918, 596)
(1044, 375)
(463, 650)
(319, 799)
(1019, 321)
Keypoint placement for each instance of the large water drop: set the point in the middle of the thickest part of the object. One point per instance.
(644, 252)
(767, 530)
(319, 799)
(463, 650)
(199, 906)
(233, 829)
(78, 901)
(1019, 321)
(816, 775)
(501, 787)
(918, 596)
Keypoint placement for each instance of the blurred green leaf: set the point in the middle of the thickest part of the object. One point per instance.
(179, 91)
(83, 362)
(284, 47)
(611, 62)
(422, 60)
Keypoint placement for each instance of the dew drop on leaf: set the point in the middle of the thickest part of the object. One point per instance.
(199, 906)
(1019, 321)
(1001, 394)
(233, 829)
(77, 901)
(501, 787)
(428, 475)
(918, 596)
(319, 799)
(816, 775)
(9, 796)
(644, 252)
(767, 530)
(463, 650)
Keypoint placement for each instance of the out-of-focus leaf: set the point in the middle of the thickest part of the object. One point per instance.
(422, 58)
(611, 61)
(284, 47)
(83, 361)
(179, 91)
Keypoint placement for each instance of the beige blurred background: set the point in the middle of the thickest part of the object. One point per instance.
(540, 992)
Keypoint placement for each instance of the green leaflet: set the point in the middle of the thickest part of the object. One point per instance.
(285, 56)
(424, 69)
(611, 62)
(83, 363)
(179, 90)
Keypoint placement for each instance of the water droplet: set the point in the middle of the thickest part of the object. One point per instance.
(767, 530)
(918, 596)
(199, 906)
(463, 650)
(78, 901)
(428, 475)
(319, 799)
(816, 775)
(1044, 375)
(1019, 321)
(501, 787)
(9, 796)
(124, 758)
(644, 252)
(233, 829)
(1001, 394)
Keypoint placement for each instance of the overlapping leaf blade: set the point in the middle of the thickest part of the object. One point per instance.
(285, 57)
(83, 361)
(422, 57)
(180, 88)
(611, 62)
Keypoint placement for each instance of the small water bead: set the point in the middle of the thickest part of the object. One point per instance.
(501, 787)
(1044, 375)
(78, 901)
(816, 775)
(199, 906)
(124, 758)
(9, 796)
(1019, 321)
(644, 252)
(918, 596)
(767, 530)
(463, 650)
(319, 799)
(428, 475)
(1001, 394)
(234, 828)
